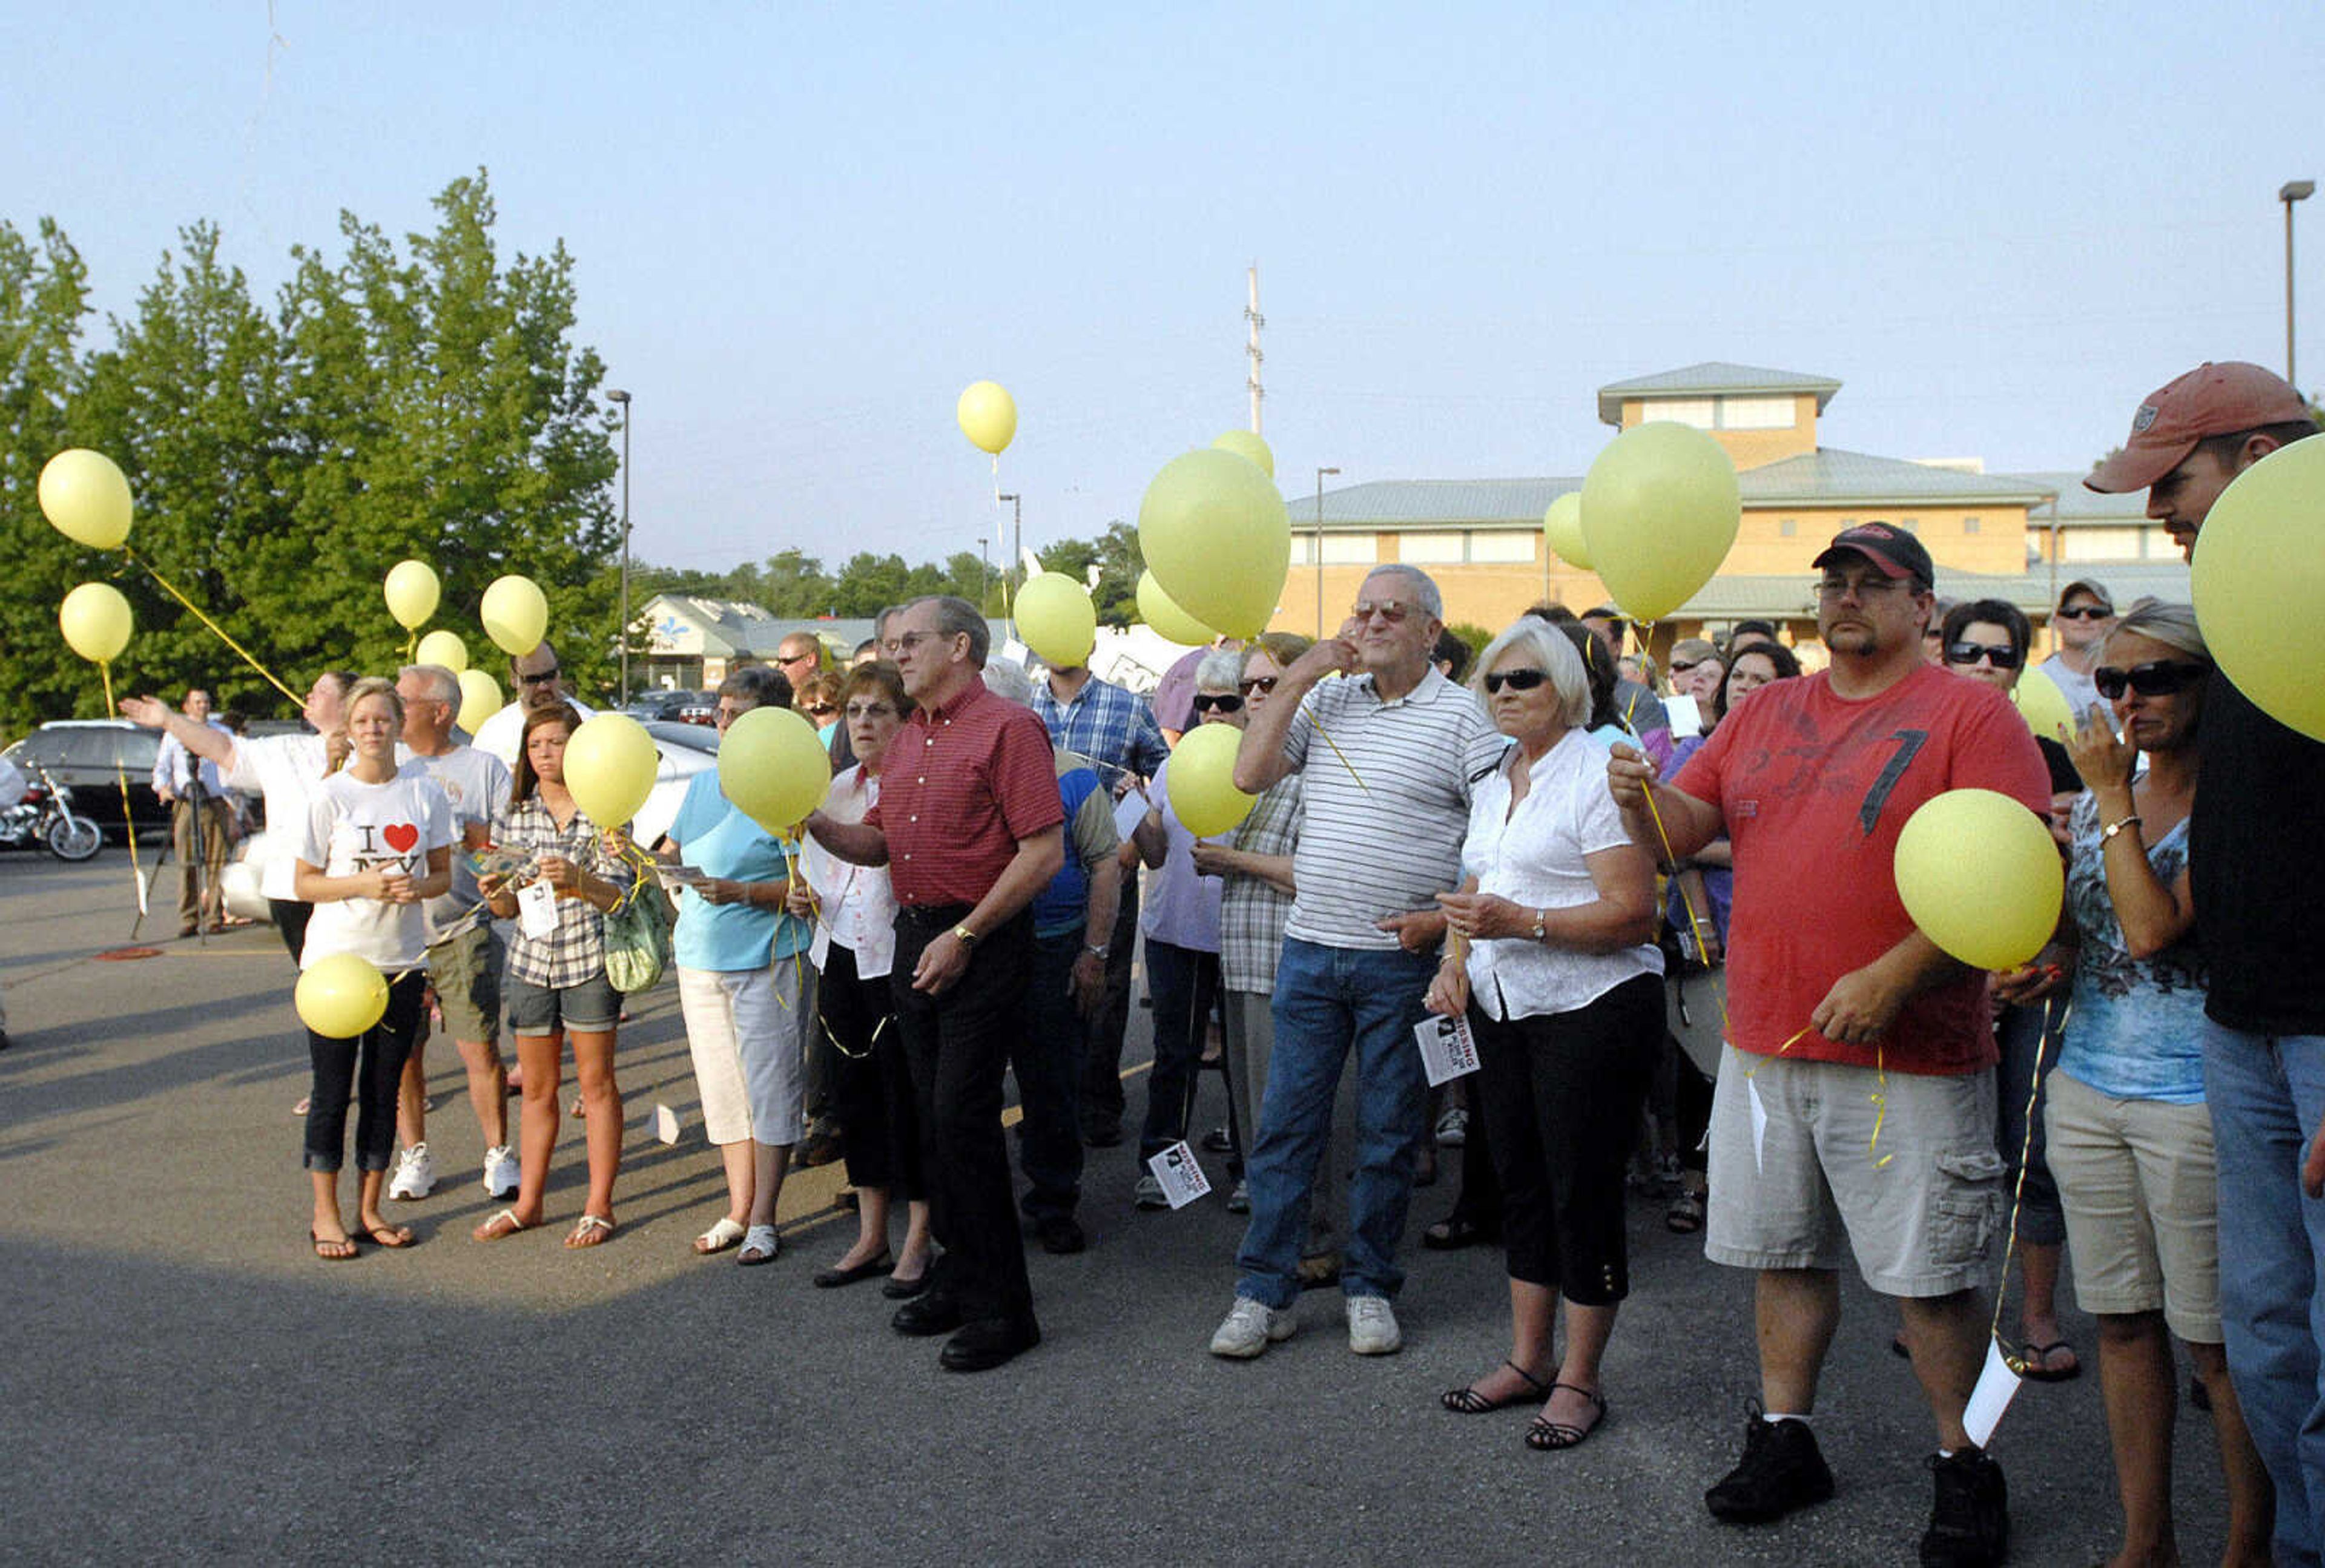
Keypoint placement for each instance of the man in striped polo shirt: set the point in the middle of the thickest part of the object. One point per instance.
(1385, 758)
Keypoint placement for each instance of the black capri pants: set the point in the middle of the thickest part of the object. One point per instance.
(370, 1068)
(871, 1089)
(1562, 1093)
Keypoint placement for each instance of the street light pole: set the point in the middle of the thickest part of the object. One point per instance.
(2291, 192)
(1016, 555)
(1320, 549)
(616, 394)
(983, 575)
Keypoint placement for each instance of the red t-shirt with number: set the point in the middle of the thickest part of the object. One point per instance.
(1815, 789)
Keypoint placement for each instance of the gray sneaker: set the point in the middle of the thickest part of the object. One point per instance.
(1250, 1328)
(1148, 1193)
(1372, 1326)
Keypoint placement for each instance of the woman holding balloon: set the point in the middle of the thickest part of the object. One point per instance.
(556, 985)
(374, 846)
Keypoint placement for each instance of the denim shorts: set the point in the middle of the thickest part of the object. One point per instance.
(536, 1009)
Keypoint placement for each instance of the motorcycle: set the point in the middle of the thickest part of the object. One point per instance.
(45, 816)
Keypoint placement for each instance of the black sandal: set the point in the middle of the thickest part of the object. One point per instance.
(1546, 1433)
(1458, 1231)
(1470, 1402)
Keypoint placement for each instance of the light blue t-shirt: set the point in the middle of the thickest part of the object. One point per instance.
(2133, 1030)
(719, 840)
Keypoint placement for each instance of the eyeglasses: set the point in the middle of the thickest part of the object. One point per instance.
(821, 710)
(541, 678)
(2156, 678)
(1863, 587)
(1262, 684)
(1223, 701)
(2086, 612)
(2001, 656)
(1682, 666)
(1517, 680)
(911, 640)
(806, 658)
(1390, 610)
(868, 710)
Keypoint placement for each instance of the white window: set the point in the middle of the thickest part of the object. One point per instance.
(1350, 549)
(1969, 524)
(1428, 548)
(1303, 549)
(1788, 527)
(1503, 545)
(1698, 412)
(2100, 543)
(1755, 413)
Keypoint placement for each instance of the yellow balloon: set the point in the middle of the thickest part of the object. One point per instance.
(1660, 509)
(1980, 875)
(1561, 526)
(445, 648)
(1216, 536)
(774, 768)
(1245, 443)
(987, 416)
(1056, 619)
(516, 615)
(1201, 781)
(2259, 582)
(609, 767)
(84, 494)
(480, 699)
(96, 621)
(1160, 610)
(412, 593)
(341, 995)
(2042, 705)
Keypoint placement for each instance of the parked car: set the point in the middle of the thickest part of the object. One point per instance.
(674, 707)
(90, 755)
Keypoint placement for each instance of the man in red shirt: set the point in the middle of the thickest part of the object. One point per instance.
(1834, 997)
(970, 826)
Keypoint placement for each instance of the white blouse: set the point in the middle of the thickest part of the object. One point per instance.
(1536, 860)
(859, 905)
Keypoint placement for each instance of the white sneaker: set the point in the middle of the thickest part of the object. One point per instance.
(1250, 1328)
(500, 1172)
(1372, 1326)
(1148, 1193)
(416, 1174)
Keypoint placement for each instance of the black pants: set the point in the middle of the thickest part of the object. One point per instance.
(1561, 1097)
(291, 916)
(958, 1048)
(872, 1089)
(1101, 1064)
(381, 1051)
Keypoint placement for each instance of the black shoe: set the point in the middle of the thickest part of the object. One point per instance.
(1782, 1470)
(907, 1289)
(1060, 1234)
(934, 1312)
(1217, 1142)
(1458, 1231)
(1969, 1522)
(988, 1342)
(1102, 1134)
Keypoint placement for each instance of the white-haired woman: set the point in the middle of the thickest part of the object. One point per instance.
(1554, 964)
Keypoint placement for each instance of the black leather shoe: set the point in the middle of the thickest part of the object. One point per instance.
(1060, 1233)
(933, 1312)
(987, 1343)
(907, 1289)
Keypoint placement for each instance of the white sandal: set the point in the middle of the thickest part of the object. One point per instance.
(761, 1244)
(720, 1237)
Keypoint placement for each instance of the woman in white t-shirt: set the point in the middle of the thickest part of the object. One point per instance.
(1552, 959)
(375, 845)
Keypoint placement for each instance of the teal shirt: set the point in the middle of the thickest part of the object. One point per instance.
(719, 840)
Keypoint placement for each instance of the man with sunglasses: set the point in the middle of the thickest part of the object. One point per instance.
(2084, 617)
(1386, 756)
(536, 680)
(2264, 947)
(1855, 1111)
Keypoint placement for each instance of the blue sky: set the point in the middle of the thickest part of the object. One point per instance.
(801, 230)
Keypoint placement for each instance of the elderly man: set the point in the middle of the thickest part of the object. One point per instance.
(969, 823)
(2265, 949)
(536, 680)
(1836, 999)
(1385, 758)
(201, 818)
(2085, 614)
(464, 954)
(1116, 731)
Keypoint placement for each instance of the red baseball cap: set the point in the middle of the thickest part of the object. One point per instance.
(1896, 551)
(2213, 399)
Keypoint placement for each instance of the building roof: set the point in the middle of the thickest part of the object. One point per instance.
(1735, 597)
(2079, 505)
(1712, 379)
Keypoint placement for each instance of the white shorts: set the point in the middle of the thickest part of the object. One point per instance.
(746, 1030)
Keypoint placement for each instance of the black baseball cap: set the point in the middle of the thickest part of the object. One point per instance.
(1896, 551)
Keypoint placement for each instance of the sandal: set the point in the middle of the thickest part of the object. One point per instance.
(761, 1244)
(389, 1236)
(589, 1230)
(1470, 1402)
(2038, 1363)
(334, 1254)
(505, 1223)
(1685, 1215)
(1546, 1433)
(1456, 1232)
(719, 1238)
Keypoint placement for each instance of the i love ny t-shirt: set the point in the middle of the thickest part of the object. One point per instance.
(354, 827)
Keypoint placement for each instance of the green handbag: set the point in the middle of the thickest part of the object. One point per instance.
(638, 936)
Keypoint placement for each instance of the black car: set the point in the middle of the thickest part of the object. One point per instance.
(680, 707)
(91, 756)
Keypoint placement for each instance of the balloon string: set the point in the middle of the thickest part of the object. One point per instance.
(121, 777)
(1697, 924)
(247, 658)
(2018, 1363)
(1880, 1097)
(1341, 755)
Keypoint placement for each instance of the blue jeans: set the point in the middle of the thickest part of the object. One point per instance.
(2267, 1095)
(2024, 1040)
(1327, 1000)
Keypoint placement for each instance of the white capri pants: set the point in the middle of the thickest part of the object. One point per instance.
(746, 1029)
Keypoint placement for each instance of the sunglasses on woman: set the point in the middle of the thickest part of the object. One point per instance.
(2002, 656)
(2156, 678)
(1517, 680)
(1224, 701)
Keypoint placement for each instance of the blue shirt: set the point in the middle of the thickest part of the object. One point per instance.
(1064, 904)
(719, 840)
(2133, 1030)
(1114, 728)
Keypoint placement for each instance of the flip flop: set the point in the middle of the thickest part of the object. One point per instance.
(319, 1243)
(394, 1236)
(2038, 1367)
(1470, 1402)
(504, 1224)
(589, 1230)
(719, 1238)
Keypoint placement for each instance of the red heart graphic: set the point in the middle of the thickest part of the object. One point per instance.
(400, 836)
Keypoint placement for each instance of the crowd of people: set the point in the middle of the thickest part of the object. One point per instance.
(1542, 857)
